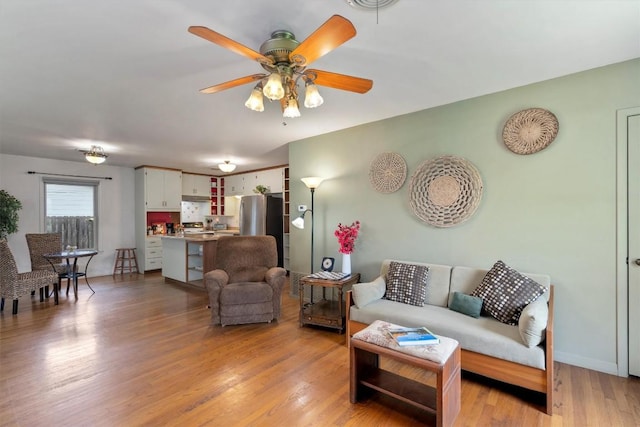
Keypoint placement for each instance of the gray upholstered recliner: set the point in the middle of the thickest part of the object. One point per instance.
(246, 285)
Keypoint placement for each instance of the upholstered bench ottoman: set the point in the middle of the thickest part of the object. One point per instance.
(443, 359)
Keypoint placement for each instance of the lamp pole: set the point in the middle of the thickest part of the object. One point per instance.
(312, 182)
(312, 191)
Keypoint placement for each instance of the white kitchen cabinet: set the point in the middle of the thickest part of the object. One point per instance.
(250, 180)
(187, 260)
(271, 178)
(157, 190)
(162, 189)
(234, 185)
(244, 184)
(196, 185)
(153, 253)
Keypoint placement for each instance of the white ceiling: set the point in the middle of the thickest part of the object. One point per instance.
(125, 74)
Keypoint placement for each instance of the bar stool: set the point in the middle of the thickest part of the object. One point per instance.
(126, 261)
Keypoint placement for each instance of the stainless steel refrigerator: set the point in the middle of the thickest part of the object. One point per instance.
(262, 215)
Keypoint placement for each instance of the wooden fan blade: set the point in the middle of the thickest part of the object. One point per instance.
(227, 43)
(327, 37)
(233, 83)
(339, 81)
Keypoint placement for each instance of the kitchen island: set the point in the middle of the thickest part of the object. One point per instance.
(186, 258)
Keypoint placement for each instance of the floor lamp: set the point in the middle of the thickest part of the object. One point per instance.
(312, 183)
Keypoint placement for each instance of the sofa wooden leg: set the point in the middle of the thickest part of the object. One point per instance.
(15, 306)
(1, 304)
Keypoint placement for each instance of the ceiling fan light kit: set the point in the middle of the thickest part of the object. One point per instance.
(291, 111)
(312, 98)
(285, 59)
(273, 89)
(255, 101)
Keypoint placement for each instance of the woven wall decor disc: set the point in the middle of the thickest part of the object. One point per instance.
(387, 172)
(445, 191)
(529, 131)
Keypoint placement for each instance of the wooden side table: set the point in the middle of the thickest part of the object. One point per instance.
(366, 376)
(326, 312)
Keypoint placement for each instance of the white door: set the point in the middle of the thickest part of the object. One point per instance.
(633, 141)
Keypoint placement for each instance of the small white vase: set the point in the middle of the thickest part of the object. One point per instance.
(346, 263)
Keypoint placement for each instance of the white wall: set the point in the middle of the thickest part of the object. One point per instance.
(115, 204)
(551, 212)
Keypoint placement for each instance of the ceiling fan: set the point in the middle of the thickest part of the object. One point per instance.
(285, 59)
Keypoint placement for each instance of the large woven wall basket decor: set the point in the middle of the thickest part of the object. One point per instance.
(529, 131)
(387, 172)
(445, 191)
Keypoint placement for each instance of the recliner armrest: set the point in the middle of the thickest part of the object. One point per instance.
(274, 273)
(216, 278)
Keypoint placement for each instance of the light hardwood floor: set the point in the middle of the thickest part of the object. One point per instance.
(141, 352)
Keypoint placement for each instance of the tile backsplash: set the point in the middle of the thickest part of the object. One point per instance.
(194, 211)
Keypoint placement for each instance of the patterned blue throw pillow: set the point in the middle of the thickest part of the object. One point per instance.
(407, 283)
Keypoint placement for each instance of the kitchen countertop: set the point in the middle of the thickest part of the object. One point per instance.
(228, 232)
(193, 237)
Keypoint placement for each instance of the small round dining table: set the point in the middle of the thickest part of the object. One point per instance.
(72, 270)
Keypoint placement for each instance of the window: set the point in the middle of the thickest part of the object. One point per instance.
(71, 209)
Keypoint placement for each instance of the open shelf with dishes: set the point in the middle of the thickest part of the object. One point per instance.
(217, 195)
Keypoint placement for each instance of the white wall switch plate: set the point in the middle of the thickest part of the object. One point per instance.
(302, 208)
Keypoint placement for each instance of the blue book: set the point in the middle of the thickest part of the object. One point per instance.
(413, 336)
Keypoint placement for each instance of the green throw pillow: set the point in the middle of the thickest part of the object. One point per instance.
(466, 304)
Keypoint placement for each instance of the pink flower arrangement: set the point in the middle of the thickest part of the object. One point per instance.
(347, 235)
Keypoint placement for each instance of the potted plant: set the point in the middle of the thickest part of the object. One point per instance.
(261, 189)
(9, 207)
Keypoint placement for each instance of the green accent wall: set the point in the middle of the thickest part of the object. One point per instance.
(552, 212)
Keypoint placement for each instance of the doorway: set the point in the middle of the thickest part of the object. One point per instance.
(628, 206)
(633, 139)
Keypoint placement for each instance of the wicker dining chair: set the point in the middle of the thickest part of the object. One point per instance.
(46, 243)
(15, 285)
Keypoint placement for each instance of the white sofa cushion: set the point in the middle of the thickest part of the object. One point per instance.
(437, 291)
(365, 293)
(484, 335)
(533, 322)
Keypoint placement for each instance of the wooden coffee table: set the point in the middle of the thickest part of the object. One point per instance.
(366, 375)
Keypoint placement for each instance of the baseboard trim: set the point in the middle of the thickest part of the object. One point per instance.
(586, 362)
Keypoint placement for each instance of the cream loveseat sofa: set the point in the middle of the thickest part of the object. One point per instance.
(489, 347)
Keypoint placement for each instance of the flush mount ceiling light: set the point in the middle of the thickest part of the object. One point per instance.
(285, 60)
(96, 155)
(227, 166)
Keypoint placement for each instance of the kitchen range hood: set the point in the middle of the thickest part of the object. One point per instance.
(195, 198)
